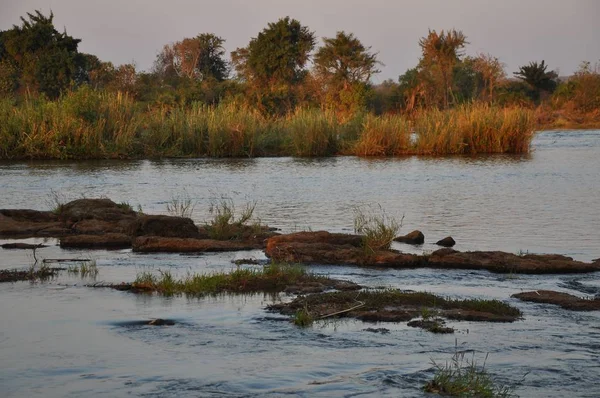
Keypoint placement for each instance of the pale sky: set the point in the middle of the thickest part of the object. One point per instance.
(562, 32)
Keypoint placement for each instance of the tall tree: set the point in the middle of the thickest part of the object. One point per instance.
(536, 75)
(199, 58)
(441, 51)
(274, 64)
(47, 61)
(345, 66)
(492, 72)
(345, 60)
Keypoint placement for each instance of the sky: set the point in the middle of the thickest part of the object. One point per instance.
(561, 32)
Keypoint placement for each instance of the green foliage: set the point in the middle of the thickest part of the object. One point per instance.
(303, 318)
(274, 62)
(441, 51)
(378, 229)
(41, 59)
(226, 224)
(311, 132)
(462, 377)
(181, 206)
(271, 278)
(538, 78)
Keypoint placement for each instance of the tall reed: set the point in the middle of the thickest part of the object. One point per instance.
(384, 136)
(471, 129)
(86, 123)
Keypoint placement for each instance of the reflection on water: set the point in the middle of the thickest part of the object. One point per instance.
(63, 339)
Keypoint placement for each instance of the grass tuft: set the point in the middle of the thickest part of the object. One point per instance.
(463, 377)
(378, 229)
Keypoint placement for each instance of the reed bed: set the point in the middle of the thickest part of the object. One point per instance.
(93, 124)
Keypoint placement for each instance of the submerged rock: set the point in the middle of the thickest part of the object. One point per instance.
(149, 244)
(497, 261)
(564, 300)
(448, 241)
(413, 238)
(22, 246)
(106, 241)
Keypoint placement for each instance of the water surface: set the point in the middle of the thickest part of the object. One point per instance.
(63, 339)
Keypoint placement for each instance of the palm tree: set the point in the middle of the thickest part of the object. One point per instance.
(443, 50)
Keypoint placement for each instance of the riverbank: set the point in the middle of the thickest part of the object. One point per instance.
(88, 124)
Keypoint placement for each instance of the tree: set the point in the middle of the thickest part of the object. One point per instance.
(345, 60)
(441, 51)
(47, 61)
(538, 78)
(345, 66)
(199, 58)
(492, 72)
(273, 64)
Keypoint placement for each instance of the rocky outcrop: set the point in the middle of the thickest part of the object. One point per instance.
(149, 244)
(413, 238)
(167, 226)
(448, 241)
(338, 249)
(19, 223)
(564, 300)
(322, 247)
(97, 209)
(497, 261)
(105, 241)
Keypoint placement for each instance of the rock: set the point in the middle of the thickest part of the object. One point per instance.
(446, 242)
(318, 237)
(564, 300)
(413, 238)
(325, 248)
(166, 226)
(435, 325)
(377, 330)
(106, 241)
(161, 322)
(99, 209)
(93, 226)
(497, 261)
(29, 223)
(22, 246)
(147, 244)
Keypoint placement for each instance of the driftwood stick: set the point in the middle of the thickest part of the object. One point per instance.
(343, 311)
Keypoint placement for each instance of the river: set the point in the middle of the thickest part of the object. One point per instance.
(62, 339)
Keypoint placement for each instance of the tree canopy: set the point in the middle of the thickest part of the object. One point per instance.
(43, 59)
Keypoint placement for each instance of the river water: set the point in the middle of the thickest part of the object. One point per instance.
(63, 339)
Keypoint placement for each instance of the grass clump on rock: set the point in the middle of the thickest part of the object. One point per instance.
(461, 377)
(398, 306)
(271, 278)
(378, 229)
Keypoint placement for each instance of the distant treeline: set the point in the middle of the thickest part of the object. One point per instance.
(280, 74)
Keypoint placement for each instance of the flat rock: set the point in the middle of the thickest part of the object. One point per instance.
(106, 241)
(564, 300)
(413, 238)
(326, 248)
(147, 244)
(497, 261)
(166, 226)
(29, 223)
(448, 241)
